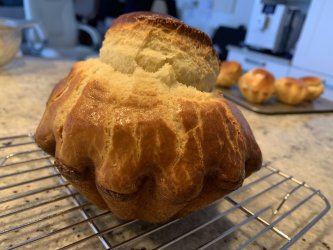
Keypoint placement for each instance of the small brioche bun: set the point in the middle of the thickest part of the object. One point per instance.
(314, 85)
(230, 71)
(257, 85)
(290, 90)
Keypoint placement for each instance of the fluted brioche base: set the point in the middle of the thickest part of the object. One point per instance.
(145, 150)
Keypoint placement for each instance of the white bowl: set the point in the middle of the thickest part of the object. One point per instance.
(11, 37)
(10, 41)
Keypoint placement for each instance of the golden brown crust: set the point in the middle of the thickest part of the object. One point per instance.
(268, 78)
(138, 159)
(167, 22)
(314, 86)
(290, 90)
(230, 72)
(311, 80)
(144, 149)
(257, 85)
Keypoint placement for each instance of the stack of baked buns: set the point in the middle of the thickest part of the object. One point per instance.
(259, 85)
(138, 131)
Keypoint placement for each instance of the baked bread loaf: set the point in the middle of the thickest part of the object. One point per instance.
(314, 86)
(230, 71)
(257, 85)
(290, 90)
(132, 131)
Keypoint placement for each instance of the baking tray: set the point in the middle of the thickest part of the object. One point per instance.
(41, 210)
(273, 107)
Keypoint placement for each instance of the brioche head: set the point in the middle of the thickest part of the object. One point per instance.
(142, 146)
(290, 90)
(230, 71)
(314, 86)
(163, 45)
(257, 85)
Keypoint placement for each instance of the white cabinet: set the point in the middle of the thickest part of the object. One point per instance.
(314, 51)
(250, 60)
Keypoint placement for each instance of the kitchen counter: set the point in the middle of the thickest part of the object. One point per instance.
(299, 145)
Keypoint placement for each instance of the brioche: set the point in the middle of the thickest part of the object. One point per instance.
(230, 72)
(290, 91)
(134, 130)
(257, 85)
(314, 87)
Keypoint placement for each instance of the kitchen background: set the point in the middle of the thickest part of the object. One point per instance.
(289, 38)
(293, 38)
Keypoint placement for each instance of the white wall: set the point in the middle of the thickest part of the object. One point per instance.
(208, 15)
(196, 13)
(231, 13)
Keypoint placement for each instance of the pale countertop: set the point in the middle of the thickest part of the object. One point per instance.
(299, 145)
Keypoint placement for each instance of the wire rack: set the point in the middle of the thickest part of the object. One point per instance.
(39, 210)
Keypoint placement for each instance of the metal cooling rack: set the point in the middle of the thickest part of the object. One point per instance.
(39, 210)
